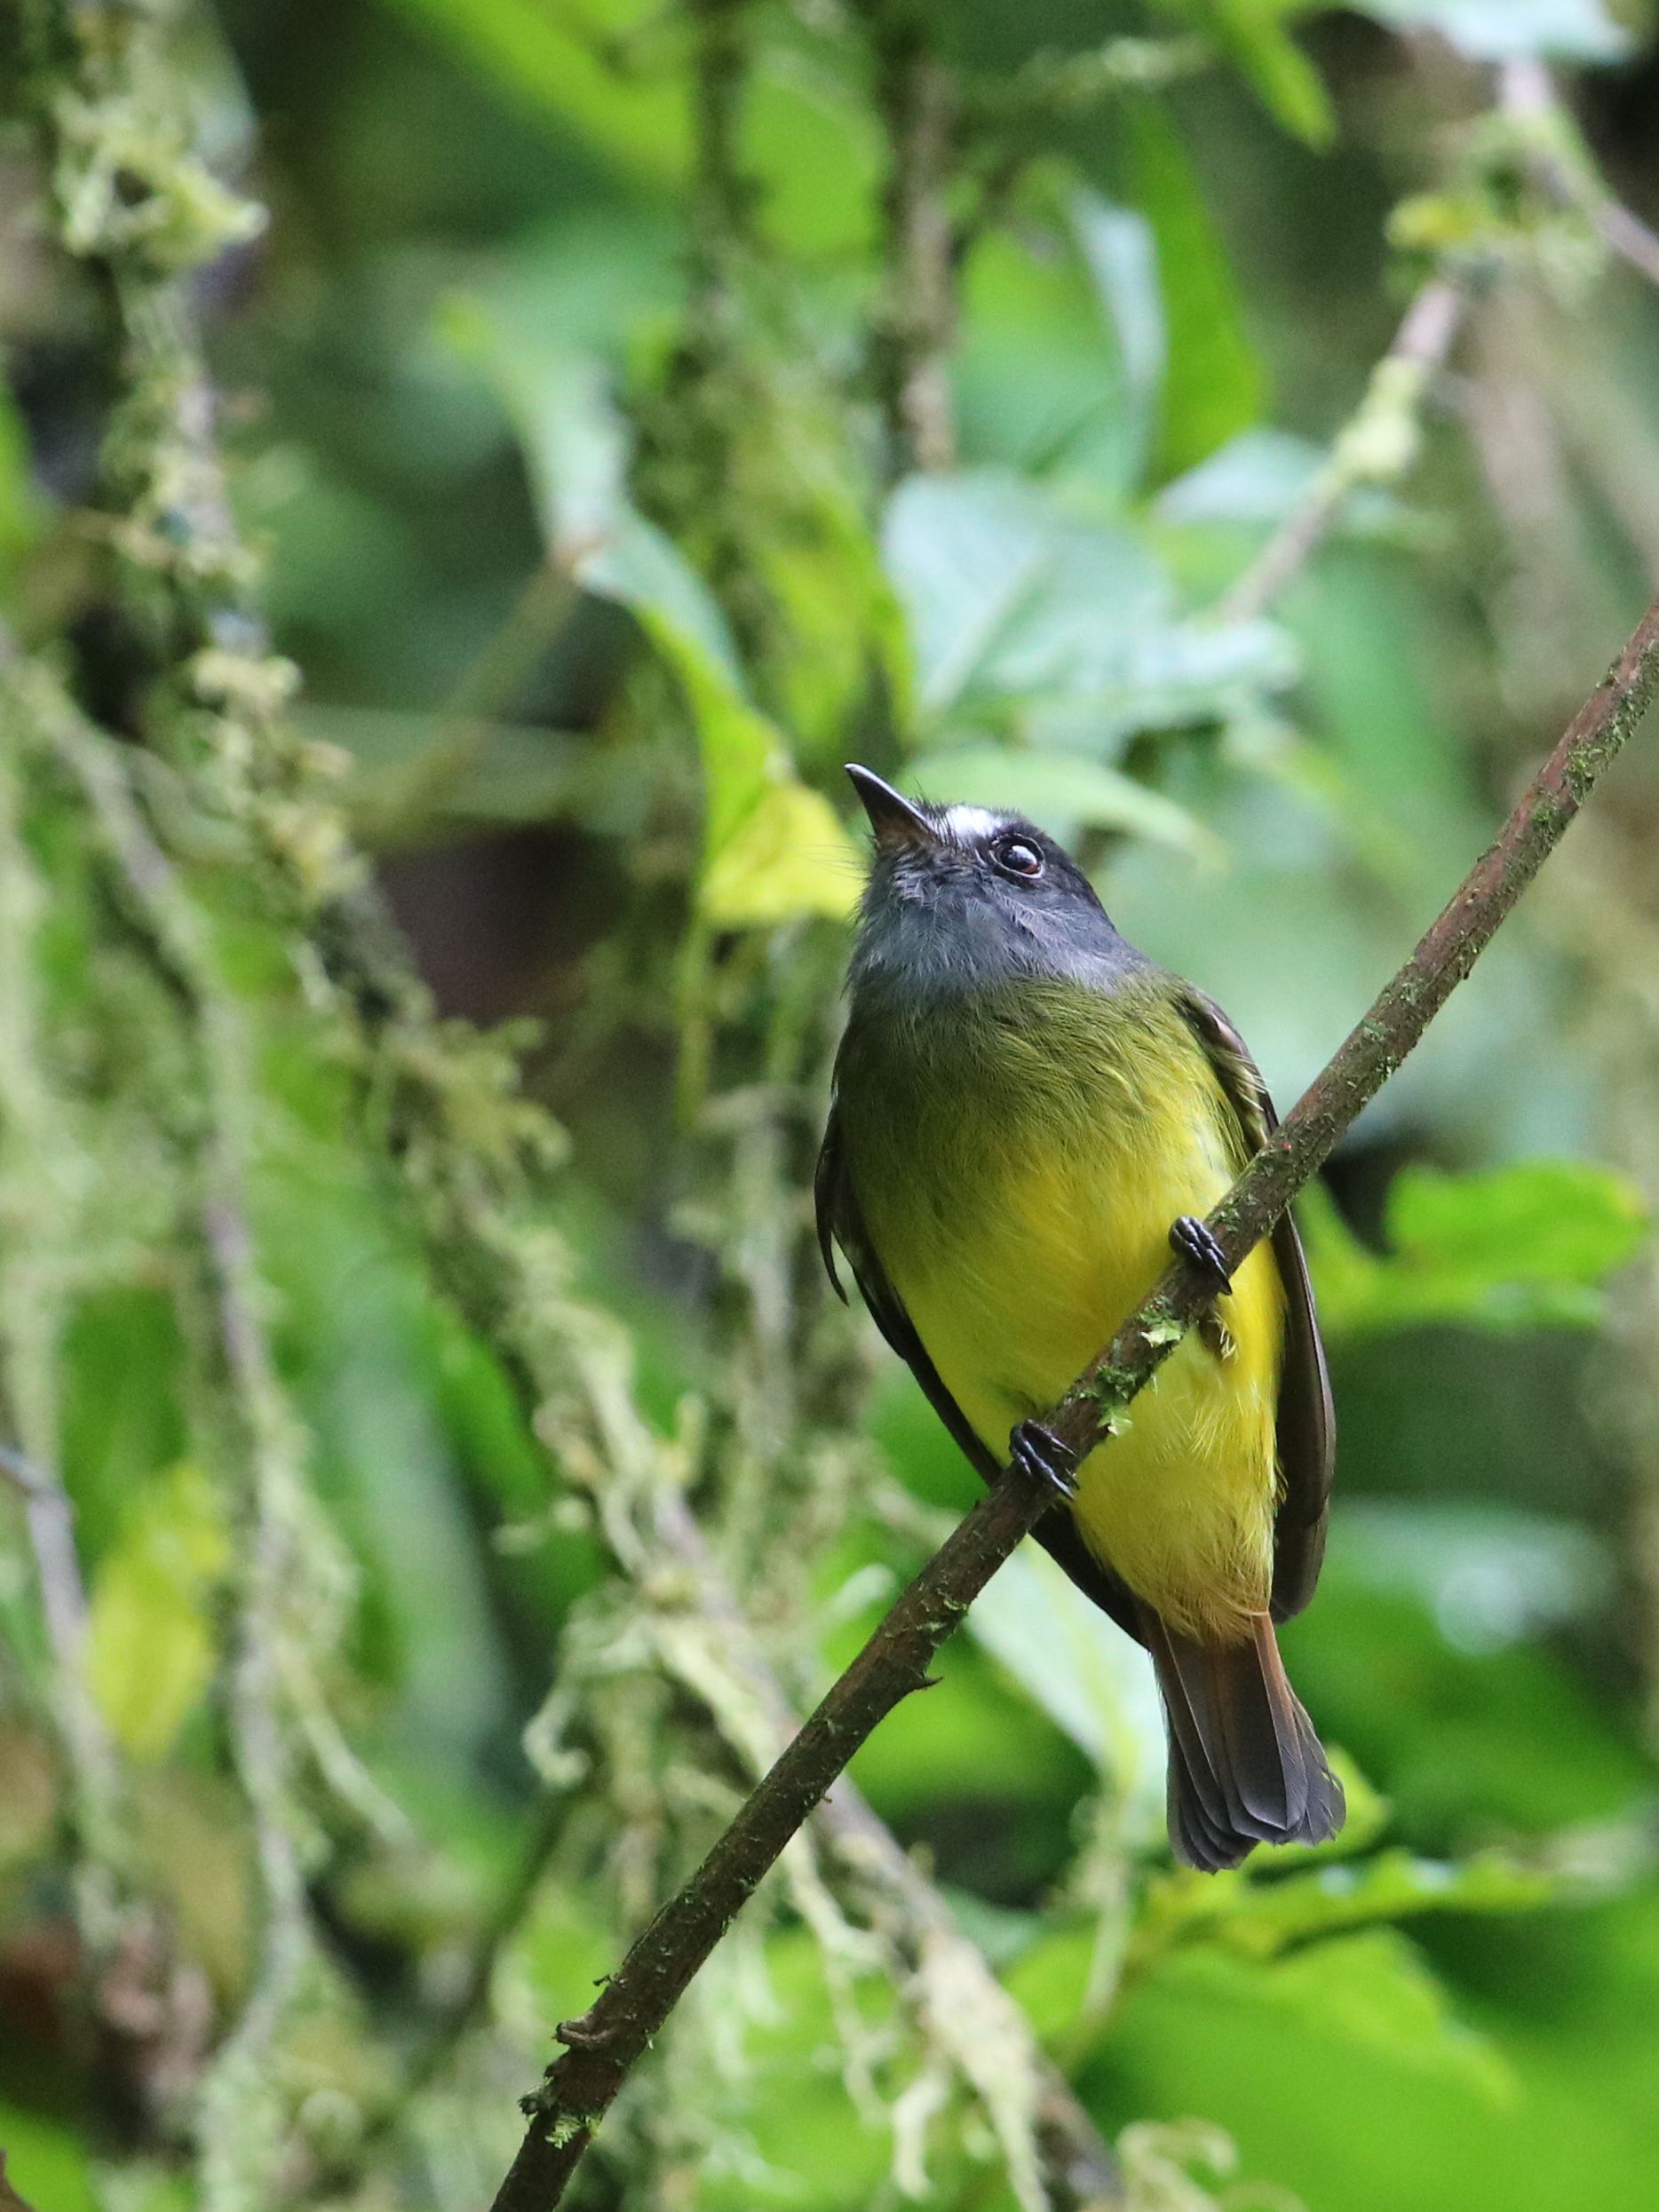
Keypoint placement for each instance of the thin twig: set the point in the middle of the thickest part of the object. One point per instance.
(1376, 445)
(1380, 441)
(236, 2149)
(49, 1514)
(1628, 236)
(1528, 88)
(42, 1166)
(602, 2046)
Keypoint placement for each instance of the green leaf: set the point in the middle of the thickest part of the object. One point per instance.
(569, 427)
(1258, 477)
(1373, 1991)
(1064, 792)
(743, 754)
(1265, 1919)
(544, 336)
(1010, 598)
(639, 566)
(1027, 617)
(44, 2163)
(812, 141)
(1173, 677)
(1537, 1221)
(614, 72)
(1525, 1246)
(1037, 386)
(150, 1646)
(1215, 385)
(759, 817)
(1075, 1667)
(1252, 33)
(1369, 1996)
(1510, 31)
(20, 505)
(789, 857)
(594, 68)
(1121, 253)
(772, 851)
(574, 442)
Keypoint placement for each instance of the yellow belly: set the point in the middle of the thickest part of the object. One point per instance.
(1014, 1294)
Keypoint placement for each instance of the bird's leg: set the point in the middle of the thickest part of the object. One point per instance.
(1037, 1452)
(1198, 1247)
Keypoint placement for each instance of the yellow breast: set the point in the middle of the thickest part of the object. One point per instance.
(1013, 1292)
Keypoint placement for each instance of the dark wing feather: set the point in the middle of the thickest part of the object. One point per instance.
(1306, 1426)
(839, 1222)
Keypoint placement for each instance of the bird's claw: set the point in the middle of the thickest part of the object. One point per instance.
(1199, 1248)
(1037, 1452)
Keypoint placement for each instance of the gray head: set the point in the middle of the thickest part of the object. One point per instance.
(960, 899)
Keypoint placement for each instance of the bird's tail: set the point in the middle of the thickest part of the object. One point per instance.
(1245, 1765)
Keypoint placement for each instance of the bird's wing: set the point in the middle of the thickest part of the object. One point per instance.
(1306, 1427)
(840, 1222)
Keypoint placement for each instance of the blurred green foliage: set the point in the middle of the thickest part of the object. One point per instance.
(554, 398)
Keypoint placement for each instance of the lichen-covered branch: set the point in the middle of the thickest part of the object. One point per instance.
(569, 1367)
(135, 203)
(240, 2107)
(442, 1101)
(40, 1182)
(62, 1590)
(606, 2043)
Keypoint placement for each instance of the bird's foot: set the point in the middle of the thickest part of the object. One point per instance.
(1198, 1247)
(1046, 1458)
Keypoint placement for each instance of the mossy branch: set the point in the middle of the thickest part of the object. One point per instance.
(134, 207)
(603, 2046)
(239, 2120)
(915, 323)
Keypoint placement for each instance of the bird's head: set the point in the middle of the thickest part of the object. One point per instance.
(963, 898)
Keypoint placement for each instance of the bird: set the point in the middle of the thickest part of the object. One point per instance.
(1027, 1115)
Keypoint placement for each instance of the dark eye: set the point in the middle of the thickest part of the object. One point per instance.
(1018, 856)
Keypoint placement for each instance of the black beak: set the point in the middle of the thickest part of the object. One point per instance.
(899, 826)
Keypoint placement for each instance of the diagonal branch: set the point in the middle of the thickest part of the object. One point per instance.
(602, 2046)
(1379, 441)
(1078, 2172)
(1376, 446)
